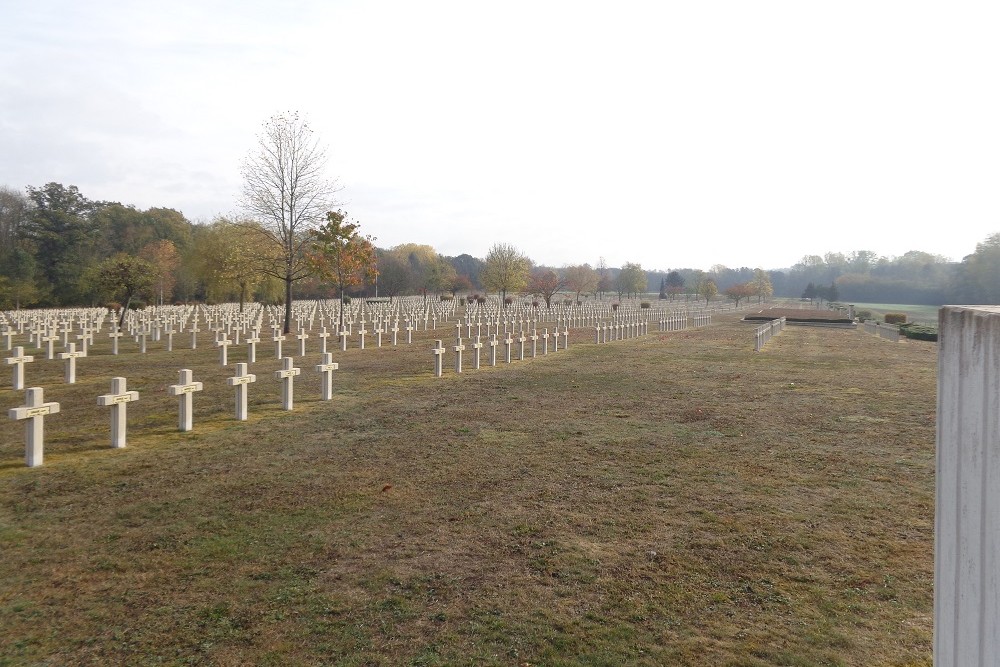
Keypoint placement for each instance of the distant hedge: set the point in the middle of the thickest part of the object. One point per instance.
(919, 331)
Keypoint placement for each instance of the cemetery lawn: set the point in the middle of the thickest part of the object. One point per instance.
(672, 500)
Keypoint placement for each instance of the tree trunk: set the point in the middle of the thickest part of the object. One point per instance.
(288, 303)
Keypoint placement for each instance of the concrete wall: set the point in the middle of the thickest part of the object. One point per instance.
(967, 519)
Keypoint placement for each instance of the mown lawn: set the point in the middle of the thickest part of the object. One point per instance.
(672, 500)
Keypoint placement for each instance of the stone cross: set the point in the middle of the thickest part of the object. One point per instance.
(458, 353)
(194, 335)
(170, 338)
(508, 343)
(395, 332)
(7, 334)
(18, 360)
(85, 336)
(302, 336)
(545, 341)
(521, 338)
(409, 332)
(534, 343)
(49, 339)
(361, 337)
(34, 410)
(114, 336)
(118, 400)
(477, 347)
(70, 356)
(326, 368)
(223, 344)
(277, 338)
(343, 339)
(251, 342)
(287, 376)
(142, 340)
(183, 390)
(438, 351)
(240, 381)
(493, 349)
(323, 335)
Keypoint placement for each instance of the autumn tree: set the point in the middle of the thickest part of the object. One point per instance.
(164, 258)
(631, 279)
(506, 270)
(739, 292)
(340, 254)
(603, 277)
(545, 283)
(286, 192)
(124, 276)
(707, 289)
(580, 279)
(761, 284)
(674, 283)
(394, 275)
(231, 259)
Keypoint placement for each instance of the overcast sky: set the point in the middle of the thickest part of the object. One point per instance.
(674, 134)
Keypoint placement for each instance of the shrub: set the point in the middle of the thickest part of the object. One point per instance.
(137, 304)
(863, 315)
(919, 331)
(644, 304)
(480, 299)
(614, 306)
(895, 318)
(534, 304)
(567, 302)
(113, 305)
(446, 297)
(508, 300)
(471, 298)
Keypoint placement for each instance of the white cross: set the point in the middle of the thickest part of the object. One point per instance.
(287, 376)
(534, 343)
(118, 399)
(240, 381)
(458, 353)
(302, 336)
(326, 368)
(7, 334)
(223, 344)
(508, 343)
(34, 410)
(477, 346)
(438, 351)
(183, 390)
(194, 335)
(18, 360)
(277, 338)
(251, 342)
(114, 336)
(70, 356)
(323, 335)
(493, 349)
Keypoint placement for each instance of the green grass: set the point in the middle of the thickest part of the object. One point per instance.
(921, 314)
(677, 499)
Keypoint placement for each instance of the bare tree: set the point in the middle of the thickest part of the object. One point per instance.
(286, 191)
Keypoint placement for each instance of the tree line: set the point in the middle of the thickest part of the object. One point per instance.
(59, 248)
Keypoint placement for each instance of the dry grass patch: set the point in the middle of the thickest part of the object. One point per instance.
(677, 499)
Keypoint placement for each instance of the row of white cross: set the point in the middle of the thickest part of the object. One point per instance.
(439, 349)
(35, 408)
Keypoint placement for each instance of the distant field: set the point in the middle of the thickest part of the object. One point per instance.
(922, 314)
(672, 500)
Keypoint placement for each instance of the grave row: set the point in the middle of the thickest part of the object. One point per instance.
(36, 409)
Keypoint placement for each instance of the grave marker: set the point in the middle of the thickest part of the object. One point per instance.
(183, 390)
(240, 381)
(326, 368)
(118, 400)
(287, 376)
(34, 410)
(18, 360)
(70, 356)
